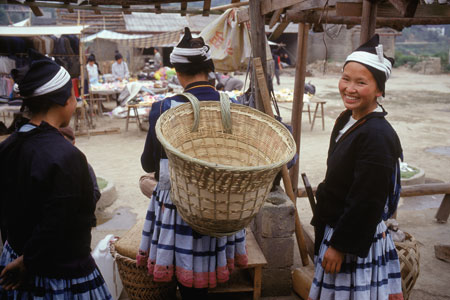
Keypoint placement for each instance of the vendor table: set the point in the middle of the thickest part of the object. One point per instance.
(318, 103)
(134, 107)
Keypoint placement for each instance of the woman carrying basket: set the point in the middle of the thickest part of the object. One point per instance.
(46, 204)
(169, 246)
(355, 255)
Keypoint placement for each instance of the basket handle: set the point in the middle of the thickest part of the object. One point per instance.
(224, 108)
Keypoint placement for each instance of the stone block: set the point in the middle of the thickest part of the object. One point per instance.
(279, 252)
(276, 282)
(277, 220)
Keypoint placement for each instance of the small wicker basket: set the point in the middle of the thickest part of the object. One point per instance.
(223, 159)
(409, 256)
(138, 284)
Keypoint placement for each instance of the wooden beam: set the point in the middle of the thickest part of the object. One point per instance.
(258, 41)
(385, 10)
(36, 11)
(268, 6)
(407, 8)
(444, 210)
(127, 9)
(235, 1)
(278, 31)
(227, 6)
(313, 4)
(70, 10)
(96, 10)
(407, 190)
(183, 8)
(158, 8)
(299, 88)
(109, 8)
(313, 17)
(275, 17)
(368, 20)
(206, 7)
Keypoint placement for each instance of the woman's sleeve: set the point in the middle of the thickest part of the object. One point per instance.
(364, 204)
(152, 150)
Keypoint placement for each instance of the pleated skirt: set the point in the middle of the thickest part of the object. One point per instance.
(375, 277)
(171, 248)
(91, 287)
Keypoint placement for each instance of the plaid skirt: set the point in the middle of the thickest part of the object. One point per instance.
(375, 277)
(170, 247)
(91, 287)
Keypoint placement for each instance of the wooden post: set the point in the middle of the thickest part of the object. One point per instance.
(297, 108)
(368, 20)
(258, 40)
(299, 232)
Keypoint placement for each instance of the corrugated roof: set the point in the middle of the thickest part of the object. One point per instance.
(152, 23)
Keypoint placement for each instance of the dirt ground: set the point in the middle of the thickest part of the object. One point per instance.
(419, 110)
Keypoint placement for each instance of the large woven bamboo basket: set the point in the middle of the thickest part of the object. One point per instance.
(138, 284)
(223, 159)
(409, 256)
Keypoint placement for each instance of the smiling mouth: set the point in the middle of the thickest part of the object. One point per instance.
(351, 98)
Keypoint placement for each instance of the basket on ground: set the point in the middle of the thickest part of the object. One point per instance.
(409, 256)
(223, 159)
(138, 284)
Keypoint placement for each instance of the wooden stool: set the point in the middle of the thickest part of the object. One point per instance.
(321, 103)
(136, 116)
(246, 280)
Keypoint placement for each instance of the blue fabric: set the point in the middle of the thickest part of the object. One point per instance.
(90, 287)
(375, 277)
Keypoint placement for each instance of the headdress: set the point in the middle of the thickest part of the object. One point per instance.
(192, 51)
(370, 55)
(42, 78)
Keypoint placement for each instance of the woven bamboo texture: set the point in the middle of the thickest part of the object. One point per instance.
(409, 256)
(220, 180)
(138, 283)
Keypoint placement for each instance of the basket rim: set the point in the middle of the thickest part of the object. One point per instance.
(168, 147)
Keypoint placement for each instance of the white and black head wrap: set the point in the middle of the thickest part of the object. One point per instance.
(42, 78)
(191, 55)
(371, 55)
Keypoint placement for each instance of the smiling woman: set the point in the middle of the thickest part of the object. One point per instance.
(356, 257)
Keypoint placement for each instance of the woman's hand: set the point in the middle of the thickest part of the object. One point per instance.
(13, 275)
(332, 260)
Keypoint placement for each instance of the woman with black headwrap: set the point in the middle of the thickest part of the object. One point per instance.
(356, 257)
(46, 206)
(169, 246)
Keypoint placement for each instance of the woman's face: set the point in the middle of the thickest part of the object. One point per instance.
(358, 90)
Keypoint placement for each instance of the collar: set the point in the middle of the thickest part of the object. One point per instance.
(198, 84)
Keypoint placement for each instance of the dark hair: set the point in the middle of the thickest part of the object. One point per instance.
(38, 105)
(118, 55)
(91, 58)
(194, 69)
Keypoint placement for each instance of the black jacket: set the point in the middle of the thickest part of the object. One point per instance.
(353, 195)
(46, 204)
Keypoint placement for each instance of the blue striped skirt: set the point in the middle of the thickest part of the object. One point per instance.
(91, 287)
(375, 277)
(170, 247)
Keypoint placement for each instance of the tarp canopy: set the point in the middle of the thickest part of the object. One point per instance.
(40, 30)
(167, 39)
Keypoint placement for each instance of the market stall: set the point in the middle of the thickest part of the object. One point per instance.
(60, 42)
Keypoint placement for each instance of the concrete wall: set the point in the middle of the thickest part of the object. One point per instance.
(342, 43)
